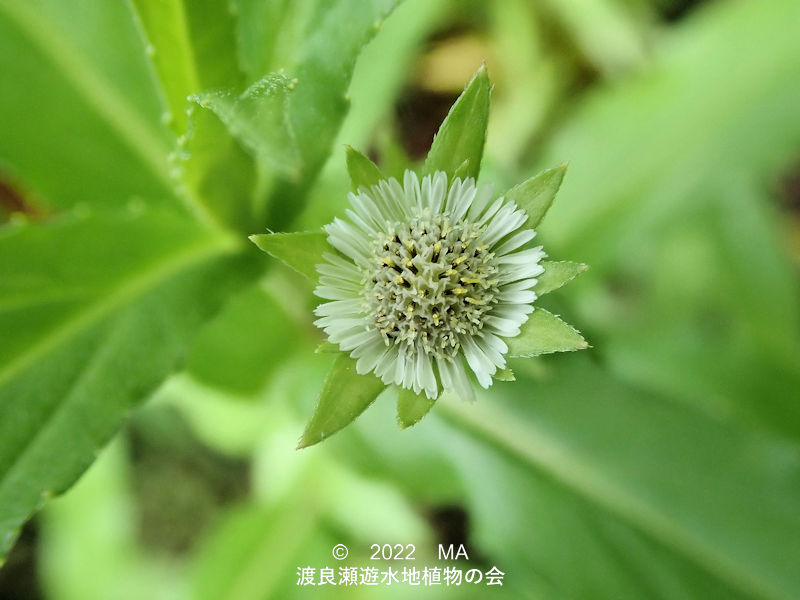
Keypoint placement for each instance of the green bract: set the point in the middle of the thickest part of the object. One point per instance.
(430, 283)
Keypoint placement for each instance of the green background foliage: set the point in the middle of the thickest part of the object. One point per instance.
(141, 143)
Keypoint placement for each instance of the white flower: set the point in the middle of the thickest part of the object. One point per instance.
(432, 281)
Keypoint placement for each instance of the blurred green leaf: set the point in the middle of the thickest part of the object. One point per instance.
(760, 278)
(530, 78)
(557, 274)
(701, 110)
(301, 251)
(705, 130)
(609, 37)
(95, 312)
(345, 395)
(193, 50)
(462, 135)
(362, 171)
(252, 552)
(656, 512)
(535, 195)
(411, 407)
(88, 540)
(384, 65)
(322, 504)
(544, 333)
(73, 128)
(651, 498)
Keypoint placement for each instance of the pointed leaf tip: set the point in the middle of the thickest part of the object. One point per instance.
(361, 169)
(545, 333)
(557, 274)
(345, 395)
(411, 407)
(535, 195)
(301, 251)
(462, 135)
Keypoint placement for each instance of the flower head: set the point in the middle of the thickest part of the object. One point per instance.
(432, 279)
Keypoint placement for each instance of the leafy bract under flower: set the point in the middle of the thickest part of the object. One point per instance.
(432, 278)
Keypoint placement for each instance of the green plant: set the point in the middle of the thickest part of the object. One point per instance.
(142, 142)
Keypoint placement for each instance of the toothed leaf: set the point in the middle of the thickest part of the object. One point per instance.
(557, 274)
(361, 169)
(412, 407)
(544, 333)
(535, 195)
(301, 251)
(345, 395)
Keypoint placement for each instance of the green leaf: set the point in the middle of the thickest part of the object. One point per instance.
(217, 173)
(315, 43)
(505, 375)
(73, 128)
(697, 185)
(411, 407)
(557, 274)
(536, 195)
(598, 459)
(259, 119)
(662, 501)
(90, 546)
(301, 251)
(744, 123)
(345, 395)
(612, 39)
(544, 333)
(381, 71)
(320, 505)
(96, 310)
(228, 561)
(362, 171)
(462, 135)
(193, 50)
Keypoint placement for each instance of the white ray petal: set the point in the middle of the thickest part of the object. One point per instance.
(413, 195)
(479, 203)
(349, 274)
(339, 307)
(428, 378)
(519, 297)
(480, 364)
(461, 384)
(491, 211)
(515, 241)
(438, 191)
(330, 292)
